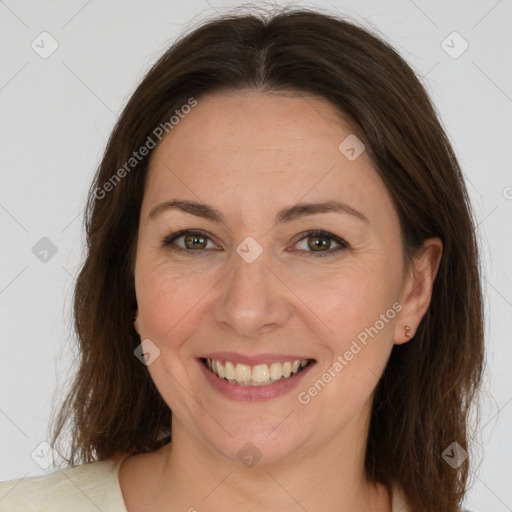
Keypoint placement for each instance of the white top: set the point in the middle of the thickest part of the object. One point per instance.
(86, 488)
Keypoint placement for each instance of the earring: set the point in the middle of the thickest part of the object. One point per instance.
(407, 331)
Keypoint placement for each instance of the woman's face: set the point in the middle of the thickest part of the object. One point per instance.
(250, 174)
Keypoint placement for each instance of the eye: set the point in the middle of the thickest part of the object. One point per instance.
(313, 243)
(319, 243)
(189, 241)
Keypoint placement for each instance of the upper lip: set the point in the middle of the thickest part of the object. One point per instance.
(253, 360)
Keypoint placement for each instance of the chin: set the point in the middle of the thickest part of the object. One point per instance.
(259, 443)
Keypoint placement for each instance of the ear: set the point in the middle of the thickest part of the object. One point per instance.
(136, 320)
(417, 289)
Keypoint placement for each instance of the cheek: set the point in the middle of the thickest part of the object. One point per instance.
(357, 309)
(359, 314)
(169, 305)
(348, 300)
(168, 299)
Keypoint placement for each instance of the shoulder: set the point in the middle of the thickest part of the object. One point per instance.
(87, 487)
(398, 498)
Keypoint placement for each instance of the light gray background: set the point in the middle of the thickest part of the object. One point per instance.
(57, 114)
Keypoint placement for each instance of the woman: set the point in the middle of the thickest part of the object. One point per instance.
(281, 251)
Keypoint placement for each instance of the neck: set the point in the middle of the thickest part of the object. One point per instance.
(325, 477)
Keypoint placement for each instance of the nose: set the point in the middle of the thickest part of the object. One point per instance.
(253, 300)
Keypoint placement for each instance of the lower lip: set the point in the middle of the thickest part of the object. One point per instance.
(253, 393)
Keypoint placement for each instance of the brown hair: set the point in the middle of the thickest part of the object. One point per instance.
(422, 401)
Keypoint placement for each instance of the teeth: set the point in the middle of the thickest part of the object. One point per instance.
(259, 375)
(276, 371)
(229, 370)
(242, 373)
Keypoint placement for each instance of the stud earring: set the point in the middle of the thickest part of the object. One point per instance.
(407, 331)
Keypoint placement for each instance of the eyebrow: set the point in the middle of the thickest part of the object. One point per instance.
(290, 214)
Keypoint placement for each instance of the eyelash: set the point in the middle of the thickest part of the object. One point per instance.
(168, 242)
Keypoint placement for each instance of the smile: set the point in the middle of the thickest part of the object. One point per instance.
(258, 375)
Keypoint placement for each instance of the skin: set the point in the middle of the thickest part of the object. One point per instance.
(250, 154)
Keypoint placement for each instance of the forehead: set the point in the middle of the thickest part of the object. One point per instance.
(263, 149)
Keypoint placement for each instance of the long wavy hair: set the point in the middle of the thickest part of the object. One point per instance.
(422, 402)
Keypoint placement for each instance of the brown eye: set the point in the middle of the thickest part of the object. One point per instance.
(320, 243)
(189, 241)
(195, 241)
